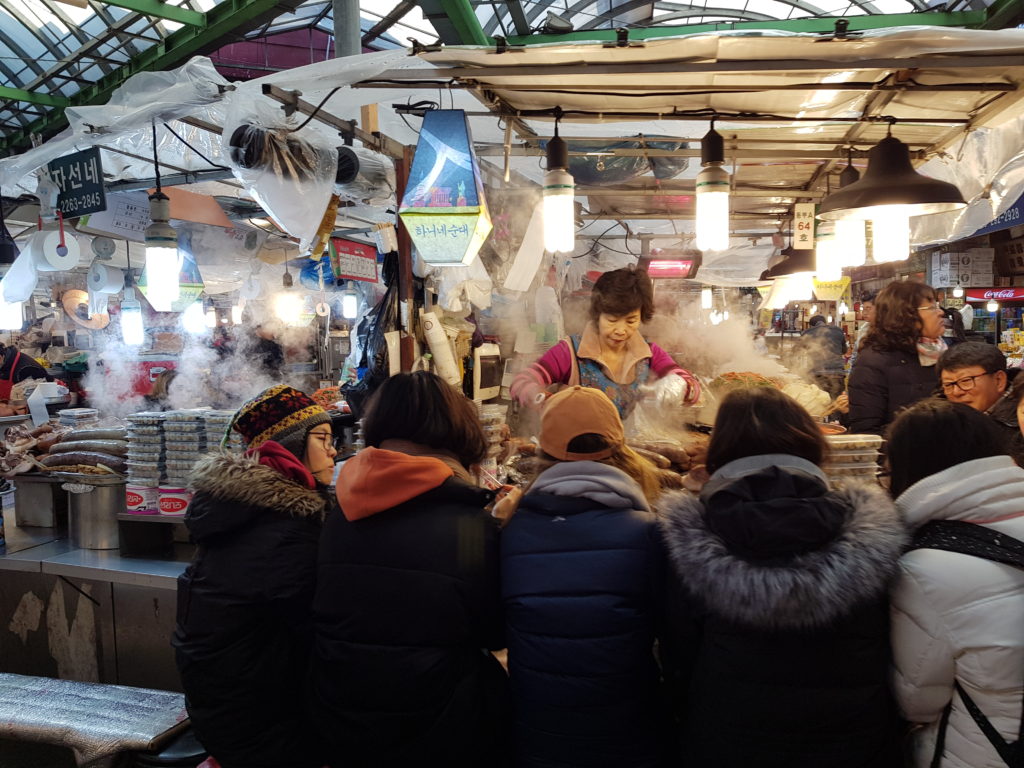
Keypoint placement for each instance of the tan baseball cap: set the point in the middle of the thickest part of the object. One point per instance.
(579, 411)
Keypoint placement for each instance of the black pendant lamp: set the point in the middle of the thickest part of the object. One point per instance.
(890, 180)
(793, 260)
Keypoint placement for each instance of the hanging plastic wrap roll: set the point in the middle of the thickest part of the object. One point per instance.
(54, 251)
(102, 280)
(291, 174)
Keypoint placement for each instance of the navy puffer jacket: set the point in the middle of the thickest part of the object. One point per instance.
(582, 570)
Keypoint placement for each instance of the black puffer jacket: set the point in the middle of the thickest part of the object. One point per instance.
(884, 383)
(244, 618)
(788, 643)
(407, 607)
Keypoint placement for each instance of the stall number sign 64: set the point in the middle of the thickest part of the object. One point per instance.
(80, 179)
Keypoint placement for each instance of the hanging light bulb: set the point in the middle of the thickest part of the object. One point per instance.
(843, 309)
(288, 307)
(826, 249)
(12, 316)
(236, 314)
(800, 286)
(890, 237)
(958, 291)
(211, 318)
(814, 309)
(707, 298)
(349, 302)
(163, 262)
(559, 198)
(193, 319)
(132, 331)
(992, 306)
(712, 194)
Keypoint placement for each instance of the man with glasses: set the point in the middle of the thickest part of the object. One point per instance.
(974, 373)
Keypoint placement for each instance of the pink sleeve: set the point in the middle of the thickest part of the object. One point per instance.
(663, 365)
(554, 366)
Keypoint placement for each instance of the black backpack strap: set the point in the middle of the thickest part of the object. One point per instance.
(940, 737)
(970, 539)
(977, 541)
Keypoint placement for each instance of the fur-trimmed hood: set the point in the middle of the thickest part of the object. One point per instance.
(230, 488)
(810, 587)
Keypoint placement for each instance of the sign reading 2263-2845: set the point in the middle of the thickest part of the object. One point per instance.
(80, 178)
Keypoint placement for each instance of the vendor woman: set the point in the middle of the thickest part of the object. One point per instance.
(610, 355)
(16, 367)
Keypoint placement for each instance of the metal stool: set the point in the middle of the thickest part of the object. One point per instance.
(183, 752)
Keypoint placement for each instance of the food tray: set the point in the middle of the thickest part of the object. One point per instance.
(185, 416)
(854, 457)
(145, 429)
(186, 428)
(842, 443)
(867, 469)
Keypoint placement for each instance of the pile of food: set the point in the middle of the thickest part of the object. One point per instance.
(810, 396)
(55, 448)
(740, 379)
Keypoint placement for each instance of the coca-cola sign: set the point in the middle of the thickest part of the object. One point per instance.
(994, 294)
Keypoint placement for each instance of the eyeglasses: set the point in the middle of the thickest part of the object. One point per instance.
(932, 306)
(326, 438)
(966, 384)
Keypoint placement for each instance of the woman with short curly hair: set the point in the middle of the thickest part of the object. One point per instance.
(896, 366)
(610, 355)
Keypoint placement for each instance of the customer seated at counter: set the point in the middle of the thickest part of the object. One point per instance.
(408, 599)
(974, 373)
(244, 624)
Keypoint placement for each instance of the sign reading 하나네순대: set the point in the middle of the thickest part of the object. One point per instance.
(80, 178)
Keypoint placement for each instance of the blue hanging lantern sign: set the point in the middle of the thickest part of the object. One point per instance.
(444, 208)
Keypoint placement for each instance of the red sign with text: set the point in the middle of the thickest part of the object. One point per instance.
(994, 294)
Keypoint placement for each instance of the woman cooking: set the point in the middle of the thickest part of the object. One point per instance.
(610, 355)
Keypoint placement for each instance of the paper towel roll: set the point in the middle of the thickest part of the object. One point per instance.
(49, 255)
(104, 279)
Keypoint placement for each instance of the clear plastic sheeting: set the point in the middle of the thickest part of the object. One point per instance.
(989, 170)
(458, 288)
(290, 173)
(738, 266)
(124, 122)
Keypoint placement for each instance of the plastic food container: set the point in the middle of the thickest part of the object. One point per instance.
(142, 500)
(174, 501)
(855, 457)
(843, 443)
(860, 468)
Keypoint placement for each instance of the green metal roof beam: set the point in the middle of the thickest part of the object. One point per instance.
(822, 25)
(228, 20)
(455, 21)
(1003, 14)
(17, 94)
(160, 10)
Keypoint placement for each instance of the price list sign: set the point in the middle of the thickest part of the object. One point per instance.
(80, 178)
(353, 261)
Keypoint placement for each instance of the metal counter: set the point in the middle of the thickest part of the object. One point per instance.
(47, 550)
(90, 615)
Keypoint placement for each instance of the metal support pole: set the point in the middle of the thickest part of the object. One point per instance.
(407, 348)
(347, 32)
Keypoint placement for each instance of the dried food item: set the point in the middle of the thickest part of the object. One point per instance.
(113, 447)
(90, 458)
(738, 379)
(98, 433)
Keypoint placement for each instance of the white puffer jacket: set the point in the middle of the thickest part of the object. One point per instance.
(958, 617)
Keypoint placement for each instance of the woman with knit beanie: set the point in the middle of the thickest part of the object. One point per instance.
(407, 604)
(244, 625)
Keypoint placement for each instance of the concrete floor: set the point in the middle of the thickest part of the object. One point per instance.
(20, 754)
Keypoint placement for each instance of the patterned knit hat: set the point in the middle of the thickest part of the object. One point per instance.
(281, 413)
